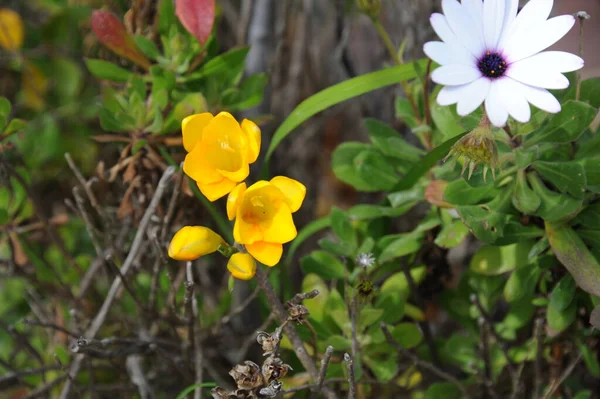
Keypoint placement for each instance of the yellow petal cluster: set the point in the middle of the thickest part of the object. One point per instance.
(11, 30)
(220, 151)
(242, 266)
(263, 216)
(192, 242)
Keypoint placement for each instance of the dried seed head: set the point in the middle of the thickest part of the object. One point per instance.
(365, 260)
(269, 342)
(220, 393)
(365, 290)
(272, 390)
(298, 313)
(273, 369)
(247, 375)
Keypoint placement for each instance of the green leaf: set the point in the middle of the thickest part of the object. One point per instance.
(390, 142)
(336, 94)
(459, 192)
(522, 282)
(335, 248)
(487, 221)
(341, 226)
(115, 122)
(339, 342)
(445, 120)
(248, 95)
(14, 126)
(166, 16)
(67, 79)
(589, 217)
(568, 177)
(426, 163)
(563, 294)
(369, 316)
(107, 70)
(559, 320)
(524, 198)
(5, 108)
(591, 360)
(443, 390)
(384, 370)
(565, 126)
(372, 167)
(324, 265)
(344, 168)
(191, 388)
(368, 212)
(392, 305)
(397, 284)
(403, 198)
(408, 335)
(452, 234)
(590, 92)
(492, 260)
(538, 248)
(224, 62)
(520, 314)
(554, 207)
(147, 46)
(571, 251)
(403, 245)
(307, 231)
(315, 306)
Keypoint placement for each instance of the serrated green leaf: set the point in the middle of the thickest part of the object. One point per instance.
(459, 192)
(568, 177)
(554, 207)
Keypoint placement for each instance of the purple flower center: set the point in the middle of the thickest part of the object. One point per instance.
(492, 65)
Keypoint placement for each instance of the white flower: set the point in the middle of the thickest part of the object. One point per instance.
(490, 53)
(365, 260)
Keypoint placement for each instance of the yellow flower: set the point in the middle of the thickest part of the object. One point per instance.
(242, 266)
(263, 214)
(192, 242)
(220, 150)
(11, 30)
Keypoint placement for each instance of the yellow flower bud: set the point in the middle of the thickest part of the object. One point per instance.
(242, 266)
(192, 242)
(11, 30)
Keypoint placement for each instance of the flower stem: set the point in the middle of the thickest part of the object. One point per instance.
(582, 16)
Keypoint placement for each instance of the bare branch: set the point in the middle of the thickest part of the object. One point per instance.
(351, 379)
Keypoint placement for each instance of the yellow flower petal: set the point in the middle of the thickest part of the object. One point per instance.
(237, 175)
(266, 253)
(242, 266)
(246, 233)
(232, 200)
(227, 114)
(11, 30)
(215, 191)
(192, 242)
(224, 144)
(197, 166)
(293, 191)
(252, 132)
(281, 228)
(192, 128)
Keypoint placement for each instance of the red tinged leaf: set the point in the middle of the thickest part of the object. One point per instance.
(197, 16)
(111, 32)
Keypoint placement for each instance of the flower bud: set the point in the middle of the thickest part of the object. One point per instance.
(192, 242)
(371, 8)
(434, 194)
(242, 266)
(477, 147)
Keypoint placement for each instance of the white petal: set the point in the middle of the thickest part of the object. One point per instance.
(510, 13)
(535, 40)
(449, 94)
(463, 27)
(493, 18)
(442, 29)
(513, 97)
(542, 99)
(475, 8)
(494, 107)
(444, 53)
(533, 13)
(530, 73)
(558, 61)
(472, 96)
(455, 75)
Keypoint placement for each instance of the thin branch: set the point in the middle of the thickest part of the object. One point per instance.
(322, 371)
(351, 379)
(36, 323)
(538, 331)
(555, 385)
(116, 285)
(485, 354)
(426, 365)
(194, 337)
